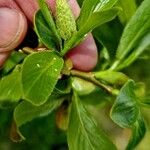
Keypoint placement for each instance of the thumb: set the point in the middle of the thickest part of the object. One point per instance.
(13, 28)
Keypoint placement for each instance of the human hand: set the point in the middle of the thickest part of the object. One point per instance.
(13, 28)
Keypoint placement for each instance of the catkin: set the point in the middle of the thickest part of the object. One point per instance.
(65, 20)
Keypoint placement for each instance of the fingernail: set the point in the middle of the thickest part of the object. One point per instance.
(13, 27)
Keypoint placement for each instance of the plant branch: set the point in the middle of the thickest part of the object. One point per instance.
(90, 77)
(27, 50)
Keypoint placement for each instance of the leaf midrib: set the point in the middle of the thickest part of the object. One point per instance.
(38, 77)
(82, 125)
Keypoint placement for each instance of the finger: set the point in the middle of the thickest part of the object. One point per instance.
(84, 56)
(9, 4)
(29, 7)
(13, 28)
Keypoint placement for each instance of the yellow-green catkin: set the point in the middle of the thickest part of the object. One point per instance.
(65, 20)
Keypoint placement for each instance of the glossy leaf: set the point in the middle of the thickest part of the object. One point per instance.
(138, 132)
(44, 33)
(10, 87)
(136, 28)
(40, 74)
(125, 110)
(83, 131)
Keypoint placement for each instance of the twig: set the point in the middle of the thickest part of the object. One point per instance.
(90, 77)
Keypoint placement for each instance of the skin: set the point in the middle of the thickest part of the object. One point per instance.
(19, 12)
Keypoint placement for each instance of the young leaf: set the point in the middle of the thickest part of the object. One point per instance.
(138, 132)
(83, 131)
(10, 87)
(95, 20)
(112, 77)
(40, 74)
(49, 19)
(44, 33)
(125, 110)
(136, 28)
(65, 20)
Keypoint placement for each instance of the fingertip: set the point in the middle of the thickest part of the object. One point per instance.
(84, 56)
(13, 28)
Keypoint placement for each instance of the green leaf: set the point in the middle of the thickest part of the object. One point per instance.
(49, 19)
(112, 77)
(10, 88)
(105, 4)
(125, 110)
(126, 113)
(40, 74)
(65, 20)
(138, 132)
(86, 10)
(89, 7)
(26, 112)
(99, 18)
(142, 46)
(83, 131)
(136, 28)
(95, 20)
(44, 33)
